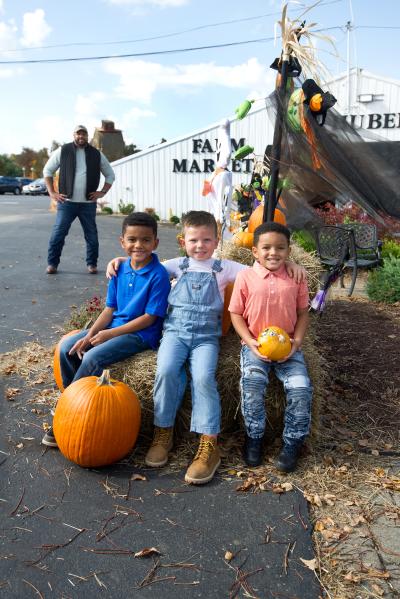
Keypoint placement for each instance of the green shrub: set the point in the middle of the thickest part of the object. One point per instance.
(125, 208)
(175, 219)
(383, 284)
(107, 210)
(390, 248)
(305, 240)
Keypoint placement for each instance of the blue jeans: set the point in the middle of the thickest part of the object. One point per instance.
(67, 212)
(170, 382)
(294, 376)
(97, 357)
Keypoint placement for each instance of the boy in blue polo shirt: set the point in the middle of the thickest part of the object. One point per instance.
(135, 308)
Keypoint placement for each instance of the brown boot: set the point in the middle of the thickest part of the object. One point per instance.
(205, 462)
(163, 441)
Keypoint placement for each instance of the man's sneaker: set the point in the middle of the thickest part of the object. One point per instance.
(163, 441)
(51, 270)
(288, 458)
(49, 439)
(252, 451)
(205, 462)
(92, 270)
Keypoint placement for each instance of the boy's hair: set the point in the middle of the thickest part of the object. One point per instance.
(199, 218)
(140, 219)
(270, 228)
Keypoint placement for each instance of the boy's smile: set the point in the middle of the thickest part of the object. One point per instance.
(272, 250)
(139, 243)
(200, 242)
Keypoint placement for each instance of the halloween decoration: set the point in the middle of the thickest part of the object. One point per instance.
(274, 343)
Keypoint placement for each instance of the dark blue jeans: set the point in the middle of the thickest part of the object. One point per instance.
(66, 214)
(97, 358)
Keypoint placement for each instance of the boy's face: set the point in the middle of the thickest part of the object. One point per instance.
(272, 250)
(139, 242)
(200, 242)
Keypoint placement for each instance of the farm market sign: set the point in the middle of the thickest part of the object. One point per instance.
(200, 163)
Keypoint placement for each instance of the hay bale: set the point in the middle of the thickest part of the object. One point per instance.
(139, 371)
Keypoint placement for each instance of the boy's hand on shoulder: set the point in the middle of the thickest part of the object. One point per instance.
(112, 267)
(254, 345)
(102, 336)
(296, 272)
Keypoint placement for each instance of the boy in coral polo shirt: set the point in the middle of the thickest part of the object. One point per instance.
(263, 296)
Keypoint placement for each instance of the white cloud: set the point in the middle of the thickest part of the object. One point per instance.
(8, 36)
(161, 3)
(34, 28)
(139, 80)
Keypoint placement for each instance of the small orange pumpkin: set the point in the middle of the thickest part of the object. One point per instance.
(56, 360)
(256, 218)
(226, 315)
(274, 343)
(243, 239)
(97, 421)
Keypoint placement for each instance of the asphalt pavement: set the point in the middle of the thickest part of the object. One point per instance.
(69, 532)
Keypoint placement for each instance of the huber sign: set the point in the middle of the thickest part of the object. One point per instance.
(387, 120)
(201, 164)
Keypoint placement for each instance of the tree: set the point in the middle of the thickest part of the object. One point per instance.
(9, 167)
(130, 149)
(31, 161)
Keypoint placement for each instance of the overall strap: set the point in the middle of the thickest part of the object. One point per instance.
(184, 264)
(216, 267)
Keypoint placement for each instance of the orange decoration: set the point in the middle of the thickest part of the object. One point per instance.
(56, 360)
(226, 315)
(256, 218)
(274, 343)
(97, 421)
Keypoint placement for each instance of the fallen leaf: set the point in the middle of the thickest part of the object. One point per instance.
(11, 392)
(19, 445)
(363, 442)
(229, 556)
(138, 476)
(147, 552)
(310, 563)
(375, 452)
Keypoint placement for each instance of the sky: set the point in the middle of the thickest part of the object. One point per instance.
(162, 95)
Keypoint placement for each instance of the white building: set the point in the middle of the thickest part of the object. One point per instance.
(169, 177)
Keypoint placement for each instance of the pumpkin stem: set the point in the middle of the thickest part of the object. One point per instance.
(104, 378)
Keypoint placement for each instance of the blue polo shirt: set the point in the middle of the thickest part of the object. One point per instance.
(133, 293)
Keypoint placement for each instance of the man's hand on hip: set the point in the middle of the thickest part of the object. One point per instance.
(96, 195)
(58, 197)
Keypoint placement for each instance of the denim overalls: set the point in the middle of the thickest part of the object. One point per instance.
(191, 333)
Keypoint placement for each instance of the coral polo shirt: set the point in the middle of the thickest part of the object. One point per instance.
(265, 298)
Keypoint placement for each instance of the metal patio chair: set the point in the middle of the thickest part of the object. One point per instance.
(336, 249)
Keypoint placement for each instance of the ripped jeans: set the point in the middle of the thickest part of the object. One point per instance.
(298, 390)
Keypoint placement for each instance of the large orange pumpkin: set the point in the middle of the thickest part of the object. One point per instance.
(243, 239)
(274, 343)
(226, 315)
(97, 421)
(256, 218)
(56, 360)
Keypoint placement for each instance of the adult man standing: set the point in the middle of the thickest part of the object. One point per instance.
(80, 166)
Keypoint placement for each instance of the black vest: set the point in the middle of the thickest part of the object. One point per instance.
(68, 167)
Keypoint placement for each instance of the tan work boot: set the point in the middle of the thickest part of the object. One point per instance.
(205, 462)
(162, 443)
